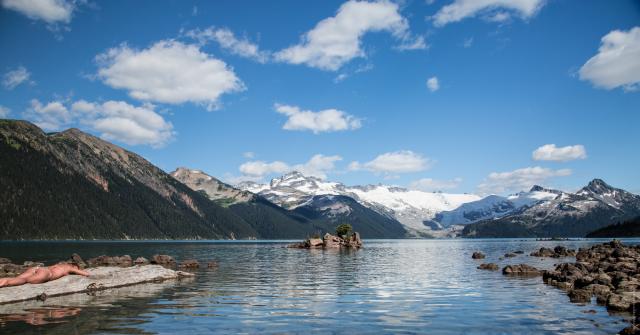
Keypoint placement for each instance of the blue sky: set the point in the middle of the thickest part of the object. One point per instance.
(247, 90)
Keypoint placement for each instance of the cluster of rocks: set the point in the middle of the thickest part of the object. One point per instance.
(330, 241)
(557, 252)
(610, 272)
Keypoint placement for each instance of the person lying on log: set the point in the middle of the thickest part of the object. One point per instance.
(39, 275)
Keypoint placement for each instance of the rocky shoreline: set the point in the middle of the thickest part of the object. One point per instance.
(107, 272)
(610, 272)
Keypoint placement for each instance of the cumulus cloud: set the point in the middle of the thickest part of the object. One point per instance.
(327, 120)
(227, 40)
(13, 78)
(168, 72)
(549, 152)
(403, 161)
(518, 180)
(120, 121)
(433, 84)
(50, 11)
(113, 120)
(496, 10)
(617, 63)
(261, 168)
(318, 166)
(51, 117)
(336, 40)
(430, 185)
(4, 112)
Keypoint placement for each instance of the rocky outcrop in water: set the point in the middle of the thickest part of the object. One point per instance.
(121, 261)
(607, 271)
(489, 266)
(478, 255)
(557, 252)
(523, 270)
(330, 242)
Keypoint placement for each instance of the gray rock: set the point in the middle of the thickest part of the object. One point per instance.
(489, 266)
(101, 278)
(521, 270)
(478, 255)
(141, 261)
(580, 296)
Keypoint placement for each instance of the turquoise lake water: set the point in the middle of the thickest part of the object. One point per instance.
(390, 286)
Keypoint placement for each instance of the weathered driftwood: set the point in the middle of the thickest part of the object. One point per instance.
(102, 278)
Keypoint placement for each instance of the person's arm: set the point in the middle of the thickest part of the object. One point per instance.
(80, 272)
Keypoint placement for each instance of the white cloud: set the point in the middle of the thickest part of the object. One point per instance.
(433, 84)
(549, 152)
(461, 9)
(249, 155)
(168, 72)
(318, 166)
(51, 117)
(120, 121)
(228, 41)
(336, 40)
(4, 112)
(518, 180)
(13, 78)
(417, 43)
(261, 168)
(403, 161)
(327, 120)
(617, 63)
(50, 11)
(113, 120)
(429, 185)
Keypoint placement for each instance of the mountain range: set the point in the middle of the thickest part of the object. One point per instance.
(72, 185)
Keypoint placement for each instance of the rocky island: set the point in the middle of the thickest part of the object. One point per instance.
(344, 238)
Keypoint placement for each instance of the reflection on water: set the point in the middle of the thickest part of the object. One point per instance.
(424, 286)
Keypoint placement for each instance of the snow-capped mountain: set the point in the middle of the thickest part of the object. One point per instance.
(410, 207)
(494, 206)
(568, 214)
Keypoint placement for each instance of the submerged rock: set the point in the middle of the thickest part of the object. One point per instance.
(489, 266)
(557, 252)
(478, 255)
(521, 270)
(122, 261)
(164, 260)
(190, 264)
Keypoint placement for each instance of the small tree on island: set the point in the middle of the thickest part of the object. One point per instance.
(343, 230)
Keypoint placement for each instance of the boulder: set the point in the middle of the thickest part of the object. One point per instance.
(331, 241)
(141, 261)
(315, 243)
(521, 270)
(101, 278)
(580, 296)
(122, 261)
(478, 255)
(5, 260)
(489, 266)
(190, 264)
(623, 301)
(76, 259)
(164, 260)
(354, 241)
